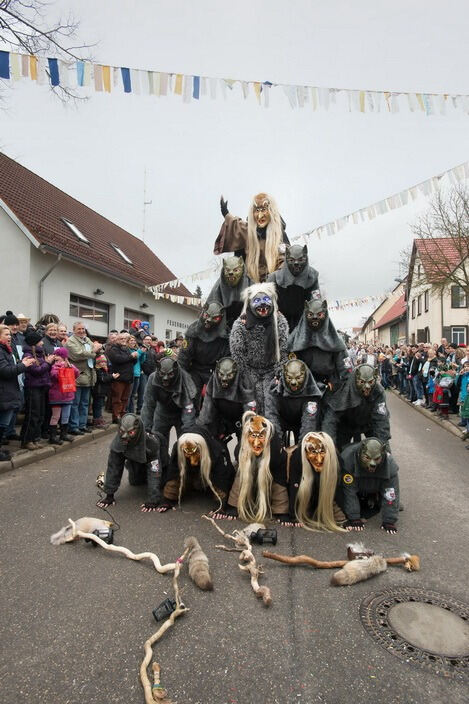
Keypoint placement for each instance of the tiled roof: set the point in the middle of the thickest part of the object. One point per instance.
(395, 312)
(40, 206)
(441, 249)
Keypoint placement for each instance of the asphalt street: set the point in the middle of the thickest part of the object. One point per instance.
(74, 618)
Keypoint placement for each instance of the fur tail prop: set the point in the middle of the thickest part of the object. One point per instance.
(199, 570)
(359, 570)
(85, 524)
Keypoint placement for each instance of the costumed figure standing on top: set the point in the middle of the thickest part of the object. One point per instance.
(293, 401)
(258, 339)
(357, 407)
(145, 456)
(206, 341)
(198, 462)
(229, 287)
(260, 241)
(317, 343)
(370, 484)
(229, 394)
(169, 399)
(259, 490)
(294, 281)
(313, 478)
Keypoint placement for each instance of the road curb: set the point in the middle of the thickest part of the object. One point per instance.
(22, 459)
(446, 424)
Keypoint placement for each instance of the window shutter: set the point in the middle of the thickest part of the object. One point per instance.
(454, 296)
(421, 336)
(446, 333)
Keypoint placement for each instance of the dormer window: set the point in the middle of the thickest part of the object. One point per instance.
(121, 253)
(73, 228)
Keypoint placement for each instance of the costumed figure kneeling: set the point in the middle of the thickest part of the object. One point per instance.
(259, 490)
(144, 455)
(198, 463)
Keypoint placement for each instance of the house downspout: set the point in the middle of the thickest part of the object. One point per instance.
(441, 308)
(41, 285)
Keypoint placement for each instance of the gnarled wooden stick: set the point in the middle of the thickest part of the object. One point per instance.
(162, 569)
(410, 562)
(152, 694)
(246, 556)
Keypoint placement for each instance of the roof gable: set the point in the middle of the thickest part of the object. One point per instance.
(396, 311)
(42, 209)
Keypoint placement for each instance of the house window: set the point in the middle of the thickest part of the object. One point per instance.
(87, 309)
(73, 228)
(426, 297)
(168, 335)
(459, 335)
(419, 305)
(130, 315)
(413, 307)
(121, 253)
(458, 297)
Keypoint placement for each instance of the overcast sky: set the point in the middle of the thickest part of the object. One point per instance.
(318, 165)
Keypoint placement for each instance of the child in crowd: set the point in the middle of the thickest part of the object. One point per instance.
(60, 397)
(465, 413)
(101, 389)
(462, 380)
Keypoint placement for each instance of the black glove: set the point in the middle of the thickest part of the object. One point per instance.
(224, 206)
(108, 500)
(356, 524)
(149, 506)
(389, 528)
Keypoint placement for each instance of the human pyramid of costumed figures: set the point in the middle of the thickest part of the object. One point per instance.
(263, 365)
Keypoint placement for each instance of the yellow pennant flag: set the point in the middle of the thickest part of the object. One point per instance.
(257, 91)
(420, 101)
(362, 101)
(107, 78)
(33, 68)
(178, 84)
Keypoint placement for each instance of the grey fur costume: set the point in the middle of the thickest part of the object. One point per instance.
(296, 411)
(139, 457)
(223, 409)
(321, 350)
(165, 407)
(248, 350)
(348, 414)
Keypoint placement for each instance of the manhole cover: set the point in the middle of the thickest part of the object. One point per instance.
(422, 627)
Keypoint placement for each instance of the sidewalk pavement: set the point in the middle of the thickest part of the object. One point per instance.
(21, 458)
(450, 423)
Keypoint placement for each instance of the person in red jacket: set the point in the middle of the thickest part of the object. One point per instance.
(60, 400)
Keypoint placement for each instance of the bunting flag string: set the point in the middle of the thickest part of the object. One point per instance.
(77, 74)
(183, 300)
(189, 278)
(426, 188)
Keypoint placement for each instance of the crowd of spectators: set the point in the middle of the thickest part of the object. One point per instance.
(62, 380)
(435, 376)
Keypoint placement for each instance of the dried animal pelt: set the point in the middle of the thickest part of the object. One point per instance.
(85, 524)
(199, 570)
(359, 570)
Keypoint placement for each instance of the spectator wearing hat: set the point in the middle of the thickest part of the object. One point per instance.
(10, 393)
(24, 324)
(36, 389)
(60, 400)
(82, 353)
(102, 389)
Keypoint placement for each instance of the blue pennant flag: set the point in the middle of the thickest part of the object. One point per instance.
(196, 88)
(54, 72)
(126, 80)
(4, 64)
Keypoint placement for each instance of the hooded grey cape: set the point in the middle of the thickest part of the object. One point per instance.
(293, 411)
(223, 409)
(229, 297)
(321, 350)
(293, 291)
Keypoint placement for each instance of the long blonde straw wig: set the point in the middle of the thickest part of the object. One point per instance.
(323, 518)
(257, 508)
(205, 463)
(273, 239)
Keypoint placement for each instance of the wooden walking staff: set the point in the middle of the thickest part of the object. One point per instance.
(410, 562)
